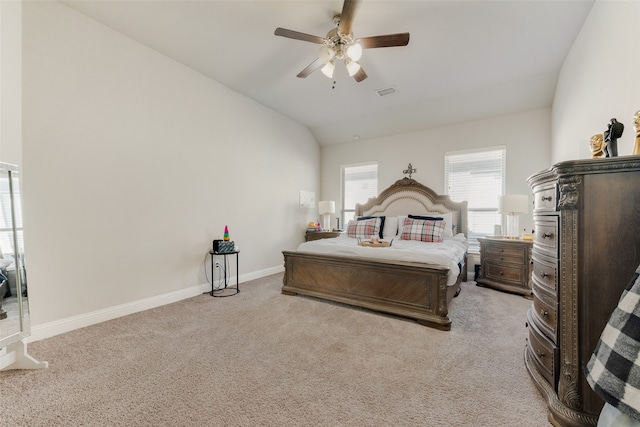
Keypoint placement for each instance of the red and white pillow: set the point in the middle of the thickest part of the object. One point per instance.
(364, 229)
(422, 230)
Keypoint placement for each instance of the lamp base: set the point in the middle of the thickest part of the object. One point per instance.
(512, 227)
(326, 222)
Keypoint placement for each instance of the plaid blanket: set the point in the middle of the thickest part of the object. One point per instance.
(614, 368)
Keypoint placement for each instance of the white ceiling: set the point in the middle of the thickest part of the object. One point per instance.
(465, 60)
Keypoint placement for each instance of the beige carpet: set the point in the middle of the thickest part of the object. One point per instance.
(262, 358)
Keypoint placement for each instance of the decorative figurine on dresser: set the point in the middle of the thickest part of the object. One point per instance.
(586, 246)
(611, 135)
(505, 264)
(596, 144)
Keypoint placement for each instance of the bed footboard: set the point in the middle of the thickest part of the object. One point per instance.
(411, 290)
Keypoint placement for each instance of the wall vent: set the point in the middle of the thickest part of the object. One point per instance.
(386, 91)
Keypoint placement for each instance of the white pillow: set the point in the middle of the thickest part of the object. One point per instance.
(390, 229)
(448, 219)
(401, 219)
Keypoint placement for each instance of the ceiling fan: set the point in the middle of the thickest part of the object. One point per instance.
(339, 44)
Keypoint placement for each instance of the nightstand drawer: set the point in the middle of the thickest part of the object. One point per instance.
(505, 273)
(317, 235)
(543, 351)
(516, 255)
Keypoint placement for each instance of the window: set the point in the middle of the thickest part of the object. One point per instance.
(477, 176)
(359, 183)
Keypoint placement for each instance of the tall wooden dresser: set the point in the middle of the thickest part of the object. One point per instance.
(586, 249)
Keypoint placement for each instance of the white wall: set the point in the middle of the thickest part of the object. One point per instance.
(133, 163)
(600, 80)
(10, 82)
(526, 136)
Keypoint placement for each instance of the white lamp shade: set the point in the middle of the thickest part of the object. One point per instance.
(326, 207)
(513, 204)
(352, 67)
(354, 52)
(325, 54)
(328, 68)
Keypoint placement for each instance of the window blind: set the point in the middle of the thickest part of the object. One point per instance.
(477, 176)
(359, 183)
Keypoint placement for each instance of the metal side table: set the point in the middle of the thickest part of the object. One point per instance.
(223, 292)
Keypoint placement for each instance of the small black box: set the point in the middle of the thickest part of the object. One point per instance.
(222, 246)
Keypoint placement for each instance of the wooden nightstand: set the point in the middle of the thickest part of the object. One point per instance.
(505, 264)
(317, 235)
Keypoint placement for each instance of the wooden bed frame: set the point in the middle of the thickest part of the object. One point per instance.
(409, 289)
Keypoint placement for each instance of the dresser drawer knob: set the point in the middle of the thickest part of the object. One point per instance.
(501, 258)
(546, 235)
(540, 354)
(501, 273)
(544, 275)
(547, 198)
(544, 313)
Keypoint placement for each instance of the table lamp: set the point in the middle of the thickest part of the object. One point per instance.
(326, 208)
(513, 205)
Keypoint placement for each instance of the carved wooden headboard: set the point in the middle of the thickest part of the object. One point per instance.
(408, 196)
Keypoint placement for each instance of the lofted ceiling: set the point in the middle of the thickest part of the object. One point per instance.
(466, 60)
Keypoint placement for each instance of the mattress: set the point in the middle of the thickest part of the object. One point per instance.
(449, 253)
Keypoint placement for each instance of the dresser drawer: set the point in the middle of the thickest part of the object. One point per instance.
(545, 198)
(516, 255)
(545, 312)
(543, 351)
(505, 273)
(545, 273)
(545, 237)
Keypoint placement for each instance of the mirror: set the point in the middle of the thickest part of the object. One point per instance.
(14, 305)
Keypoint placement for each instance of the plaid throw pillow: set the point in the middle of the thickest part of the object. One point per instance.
(613, 371)
(422, 230)
(364, 229)
(382, 218)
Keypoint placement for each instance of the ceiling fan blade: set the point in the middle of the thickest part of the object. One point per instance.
(360, 75)
(388, 40)
(298, 35)
(347, 15)
(310, 68)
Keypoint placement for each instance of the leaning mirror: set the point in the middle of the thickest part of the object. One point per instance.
(14, 305)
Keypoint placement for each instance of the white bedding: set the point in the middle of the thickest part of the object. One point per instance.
(449, 253)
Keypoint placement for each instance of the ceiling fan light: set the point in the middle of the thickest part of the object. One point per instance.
(352, 67)
(328, 68)
(326, 54)
(354, 51)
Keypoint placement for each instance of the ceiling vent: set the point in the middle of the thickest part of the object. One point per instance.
(386, 91)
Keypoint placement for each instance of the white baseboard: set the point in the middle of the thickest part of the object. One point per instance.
(57, 327)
